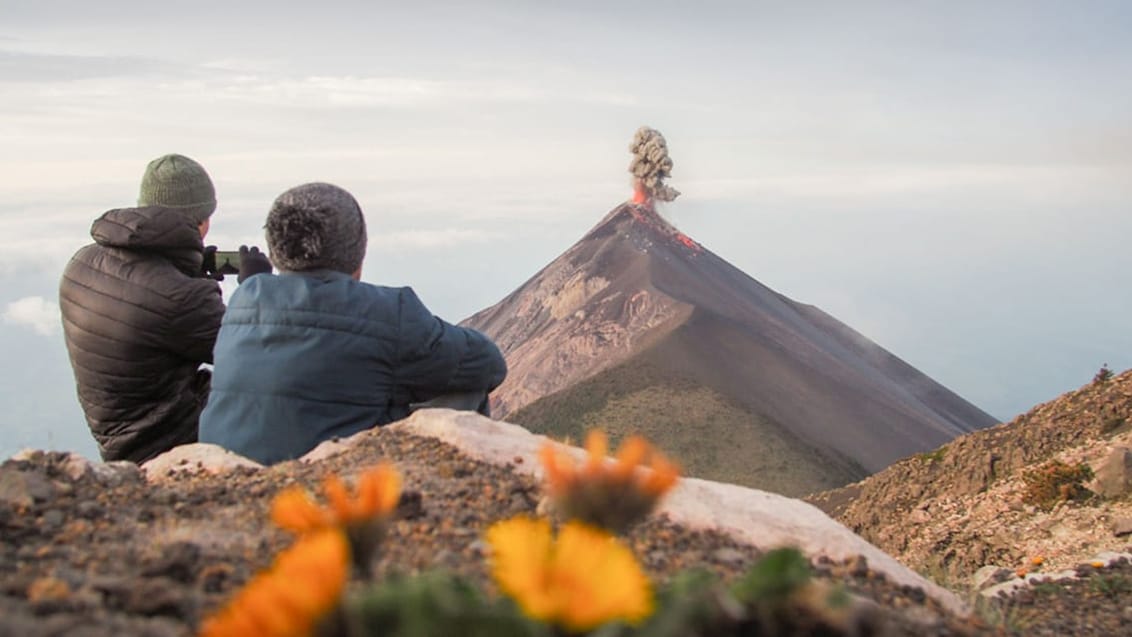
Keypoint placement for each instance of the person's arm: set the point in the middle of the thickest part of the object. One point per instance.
(435, 357)
(192, 332)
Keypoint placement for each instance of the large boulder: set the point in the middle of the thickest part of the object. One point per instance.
(766, 520)
(1114, 474)
(199, 457)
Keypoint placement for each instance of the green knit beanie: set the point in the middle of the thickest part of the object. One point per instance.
(175, 181)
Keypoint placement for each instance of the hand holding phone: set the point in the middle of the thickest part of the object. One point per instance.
(252, 262)
(227, 261)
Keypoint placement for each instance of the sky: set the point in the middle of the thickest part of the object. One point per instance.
(951, 179)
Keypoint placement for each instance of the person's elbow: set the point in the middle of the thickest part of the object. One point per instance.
(497, 371)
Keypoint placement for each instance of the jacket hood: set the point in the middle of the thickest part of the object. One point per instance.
(154, 229)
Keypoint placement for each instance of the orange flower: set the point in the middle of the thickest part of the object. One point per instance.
(378, 491)
(597, 446)
(303, 585)
(579, 580)
(613, 495)
(1037, 561)
(294, 510)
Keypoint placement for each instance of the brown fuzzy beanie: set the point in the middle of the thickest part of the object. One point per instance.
(316, 227)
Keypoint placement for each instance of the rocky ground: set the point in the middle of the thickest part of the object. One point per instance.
(961, 510)
(105, 549)
(99, 550)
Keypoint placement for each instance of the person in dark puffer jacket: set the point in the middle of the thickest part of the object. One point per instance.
(314, 353)
(140, 315)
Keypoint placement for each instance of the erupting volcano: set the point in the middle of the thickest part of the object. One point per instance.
(637, 327)
(650, 166)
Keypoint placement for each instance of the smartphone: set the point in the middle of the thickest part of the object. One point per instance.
(228, 261)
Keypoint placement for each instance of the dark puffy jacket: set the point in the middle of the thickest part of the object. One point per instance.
(308, 356)
(138, 324)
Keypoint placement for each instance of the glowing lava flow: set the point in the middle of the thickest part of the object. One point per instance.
(639, 196)
(644, 212)
(688, 242)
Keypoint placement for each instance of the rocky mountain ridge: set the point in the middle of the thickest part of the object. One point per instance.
(964, 506)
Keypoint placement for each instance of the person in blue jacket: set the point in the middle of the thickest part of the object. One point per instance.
(313, 353)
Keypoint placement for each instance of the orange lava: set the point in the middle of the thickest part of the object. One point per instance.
(688, 242)
(639, 196)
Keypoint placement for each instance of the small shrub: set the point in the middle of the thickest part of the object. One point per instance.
(1056, 482)
(930, 457)
(1111, 424)
(1103, 376)
(1111, 585)
(1007, 615)
(1046, 588)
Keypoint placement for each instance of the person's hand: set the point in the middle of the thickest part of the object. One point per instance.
(208, 264)
(252, 262)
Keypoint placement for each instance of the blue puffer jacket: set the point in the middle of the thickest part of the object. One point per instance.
(307, 356)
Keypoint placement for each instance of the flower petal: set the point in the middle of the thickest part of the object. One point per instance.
(294, 510)
(305, 582)
(558, 466)
(583, 579)
(597, 445)
(338, 495)
(632, 451)
(520, 552)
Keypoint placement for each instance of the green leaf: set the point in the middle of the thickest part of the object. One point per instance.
(433, 604)
(775, 576)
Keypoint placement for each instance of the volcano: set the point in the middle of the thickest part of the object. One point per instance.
(638, 328)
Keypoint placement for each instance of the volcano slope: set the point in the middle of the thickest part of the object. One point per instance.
(637, 327)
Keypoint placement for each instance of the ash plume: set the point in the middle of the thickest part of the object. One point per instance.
(650, 166)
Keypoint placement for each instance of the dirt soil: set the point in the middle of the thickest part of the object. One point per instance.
(97, 550)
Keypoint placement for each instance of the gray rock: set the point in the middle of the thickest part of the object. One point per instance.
(117, 473)
(990, 575)
(89, 509)
(53, 518)
(1122, 526)
(76, 467)
(24, 488)
(195, 458)
(728, 555)
(1112, 557)
(1114, 474)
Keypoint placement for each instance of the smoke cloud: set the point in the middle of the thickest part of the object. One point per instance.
(651, 165)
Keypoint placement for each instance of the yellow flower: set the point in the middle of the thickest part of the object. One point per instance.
(580, 580)
(302, 586)
(613, 495)
(377, 494)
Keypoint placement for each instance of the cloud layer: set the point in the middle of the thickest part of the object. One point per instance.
(35, 313)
